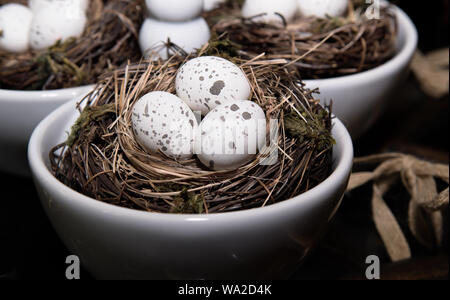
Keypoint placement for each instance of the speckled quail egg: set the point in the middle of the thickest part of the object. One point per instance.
(15, 22)
(322, 8)
(56, 22)
(271, 9)
(36, 5)
(175, 10)
(207, 82)
(231, 135)
(211, 4)
(163, 122)
(189, 36)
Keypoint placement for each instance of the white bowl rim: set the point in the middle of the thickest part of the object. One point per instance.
(41, 171)
(34, 96)
(404, 55)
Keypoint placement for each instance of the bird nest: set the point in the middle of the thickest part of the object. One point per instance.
(109, 41)
(316, 47)
(102, 159)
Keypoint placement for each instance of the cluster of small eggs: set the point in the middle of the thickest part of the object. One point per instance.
(271, 9)
(177, 21)
(233, 128)
(40, 24)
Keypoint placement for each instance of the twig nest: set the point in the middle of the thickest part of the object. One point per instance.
(104, 159)
(231, 135)
(322, 8)
(175, 10)
(163, 122)
(59, 21)
(270, 10)
(15, 22)
(315, 45)
(108, 41)
(188, 36)
(209, 81)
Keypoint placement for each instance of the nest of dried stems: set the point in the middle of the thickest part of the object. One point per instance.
(109, 41)
(101, 158)
(319, 48)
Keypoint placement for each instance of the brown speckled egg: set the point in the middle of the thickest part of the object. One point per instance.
(207, 82)
(163, 122)
(231, 135)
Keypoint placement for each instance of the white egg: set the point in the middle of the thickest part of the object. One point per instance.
(15, 22)
(207, 82)
(286, 8)
(163, 122)
(211, 4)
(36, 5)
(231, 135)
(175, 10)
(84, 4)
(322, 8)
(189, 36)
(56, 22)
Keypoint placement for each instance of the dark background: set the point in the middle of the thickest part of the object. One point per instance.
(415, 124)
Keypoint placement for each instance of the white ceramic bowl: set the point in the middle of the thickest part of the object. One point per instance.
(359, 99)
(20, 112)
(119, 243)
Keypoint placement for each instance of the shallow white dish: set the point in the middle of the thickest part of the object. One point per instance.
(359, 99)
(119, 243)
(20, 112)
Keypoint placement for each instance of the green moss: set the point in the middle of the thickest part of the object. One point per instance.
(188, 203)
(88, 115)
(325, 25)
(315, 130)
(223, 47)
(53, 61)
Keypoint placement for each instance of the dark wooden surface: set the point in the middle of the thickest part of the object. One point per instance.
(414, 123)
